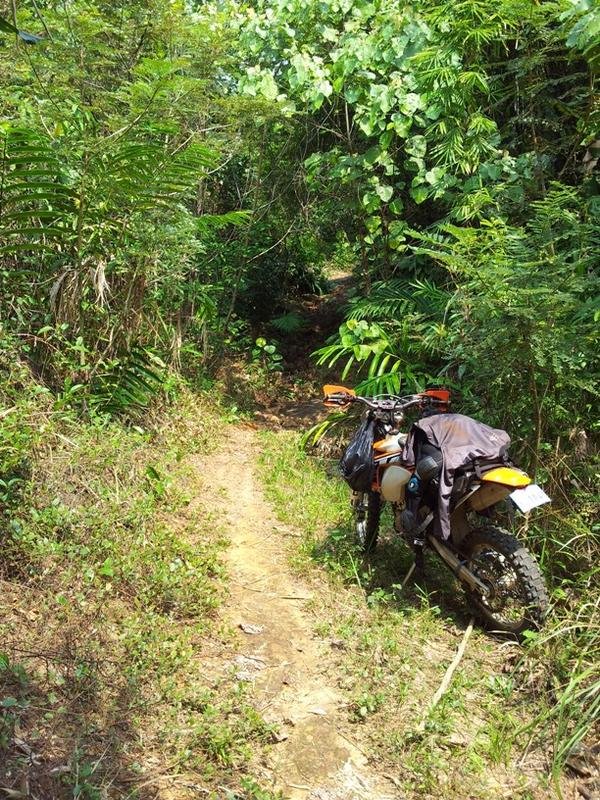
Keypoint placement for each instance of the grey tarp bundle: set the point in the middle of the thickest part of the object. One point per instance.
(462, 440)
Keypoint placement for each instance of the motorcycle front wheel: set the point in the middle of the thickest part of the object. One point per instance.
(367, 513)
(517, 599)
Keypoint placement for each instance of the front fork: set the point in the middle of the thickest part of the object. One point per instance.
(360, 515)
(358, 505)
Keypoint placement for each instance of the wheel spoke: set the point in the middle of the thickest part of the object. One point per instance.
(516, 598)
(506, 599)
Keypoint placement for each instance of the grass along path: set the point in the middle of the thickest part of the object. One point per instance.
(126, 571)
(111, 576)
(391, 649)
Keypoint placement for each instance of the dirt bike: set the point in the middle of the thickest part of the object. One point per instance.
(502, 579)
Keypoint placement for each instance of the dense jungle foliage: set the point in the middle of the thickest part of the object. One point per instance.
(174, 175)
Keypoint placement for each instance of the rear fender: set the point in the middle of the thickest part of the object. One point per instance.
(493, 487)
(507, 476)
(487, 495)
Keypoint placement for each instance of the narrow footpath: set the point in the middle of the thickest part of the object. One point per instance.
(312, 758)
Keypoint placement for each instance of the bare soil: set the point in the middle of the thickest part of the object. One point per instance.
(297, 402)
(313, 757)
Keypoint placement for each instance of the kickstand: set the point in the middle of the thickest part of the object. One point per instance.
(417, 567)
(407, 577)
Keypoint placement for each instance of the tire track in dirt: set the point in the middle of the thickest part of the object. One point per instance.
(314, 760)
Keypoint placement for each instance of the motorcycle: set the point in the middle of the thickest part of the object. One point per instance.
(502, 579)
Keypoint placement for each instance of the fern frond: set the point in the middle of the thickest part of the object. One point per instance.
(391, 300)
(129, 384)
(289, 323)
(315, 433)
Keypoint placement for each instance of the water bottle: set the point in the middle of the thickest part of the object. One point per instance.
(414, 485)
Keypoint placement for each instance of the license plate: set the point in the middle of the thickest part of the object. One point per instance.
(529, 497)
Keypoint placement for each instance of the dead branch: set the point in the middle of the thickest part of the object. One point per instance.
(449, 673)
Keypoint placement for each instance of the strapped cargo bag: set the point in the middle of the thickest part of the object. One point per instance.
(482, 465)
(476, 470)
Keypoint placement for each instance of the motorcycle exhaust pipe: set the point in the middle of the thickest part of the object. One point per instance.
(458, 568)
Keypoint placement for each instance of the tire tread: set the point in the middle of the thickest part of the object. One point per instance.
(526, 568)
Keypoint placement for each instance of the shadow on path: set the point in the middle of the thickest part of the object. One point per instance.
(383, 574)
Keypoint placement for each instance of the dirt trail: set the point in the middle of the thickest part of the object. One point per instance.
(314, 760)
(322, 315)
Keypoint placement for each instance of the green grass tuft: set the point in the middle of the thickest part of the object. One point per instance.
(499, 729)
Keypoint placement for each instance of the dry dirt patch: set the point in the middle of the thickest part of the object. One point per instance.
(313, 758)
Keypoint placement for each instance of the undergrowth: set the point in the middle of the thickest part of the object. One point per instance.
(110, 577)
(513, 714)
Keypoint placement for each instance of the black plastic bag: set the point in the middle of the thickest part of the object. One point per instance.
(356, 465)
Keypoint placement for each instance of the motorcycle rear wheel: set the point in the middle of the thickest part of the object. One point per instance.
(517, 599)
(367, 521)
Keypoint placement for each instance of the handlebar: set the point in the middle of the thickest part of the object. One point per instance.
(391, 403)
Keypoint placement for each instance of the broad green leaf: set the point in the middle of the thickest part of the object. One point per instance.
(416, 146)
(107, 569)
(325, 87)
(371, 201)
(385, 192)
(268, 87)
(401, 124)
(435, 175)
(419, 194)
